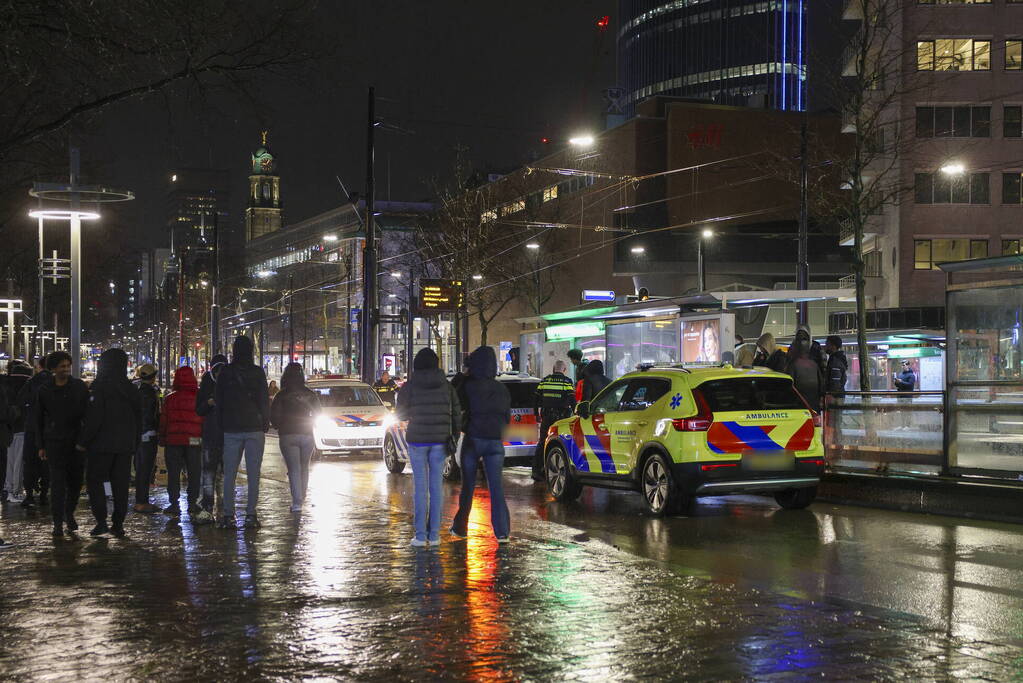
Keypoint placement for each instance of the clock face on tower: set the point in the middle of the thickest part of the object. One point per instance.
(266, 164)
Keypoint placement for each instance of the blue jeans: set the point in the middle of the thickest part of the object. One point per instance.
(491, 452)
(235, 444)
(297, 450)
(427, 473)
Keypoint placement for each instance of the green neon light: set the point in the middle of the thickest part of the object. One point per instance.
(584, 313)
(919, 352)
(574, 330)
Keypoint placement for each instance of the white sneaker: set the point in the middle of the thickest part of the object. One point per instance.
(434, 542)
(13, 498)
(416, 543)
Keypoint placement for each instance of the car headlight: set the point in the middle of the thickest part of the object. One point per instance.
(325, 423)
(389, 421)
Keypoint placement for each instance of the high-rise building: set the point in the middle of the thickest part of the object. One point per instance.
(263, 207)
(195, 198)
(738, 52)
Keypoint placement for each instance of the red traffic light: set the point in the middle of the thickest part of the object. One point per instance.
(545, 141)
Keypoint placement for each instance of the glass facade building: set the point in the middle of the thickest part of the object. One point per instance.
(737, 52)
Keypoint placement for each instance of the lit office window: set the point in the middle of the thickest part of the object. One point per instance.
(1014, 55)
(928, 253)
(953, 54)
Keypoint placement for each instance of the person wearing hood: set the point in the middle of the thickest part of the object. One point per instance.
(486, 406)
(18, 375)
(212, 441)
(806, 374)
(594, 380)
(293, 412)
(768, 354)
(60, 407)
(242, 404)
(145, 458)
(816, 354)
(37, 473)
(430, 406)
(181, 436)
(110, 436)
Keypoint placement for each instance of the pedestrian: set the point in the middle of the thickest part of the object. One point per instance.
(6, 436)
(905, 380)
(60, 407)
(486, 406)
(816, 352)
(745, 355)
(109, 438)
(293, 412)
(272, 388)
(768, 354)
(243, 412)
(212, 442)
(145, 457)
(805, 372)
(430, 406)
(37, 472)
(837, 368)
(18, 374)
(575, 357)
(181, 436)
(386, 388)
(461, 376)
(594, 380)
(554, 400)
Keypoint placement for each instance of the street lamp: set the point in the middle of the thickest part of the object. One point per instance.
(581, 141)
(266, 273)
(701, 263)
(954, 168)
(330, 238)
(533, 245)
(638, 250)
(477, 277)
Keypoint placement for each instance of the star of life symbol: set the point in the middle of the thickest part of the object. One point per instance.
(676, 401)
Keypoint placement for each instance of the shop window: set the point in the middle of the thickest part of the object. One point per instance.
(953, 122)
(1010, 247)
(1012, 121)
(928, 253)
(953, 54)
(943, 188)
(1013, 55)
(1011, 187)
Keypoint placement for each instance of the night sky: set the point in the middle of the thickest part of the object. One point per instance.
(493, 77)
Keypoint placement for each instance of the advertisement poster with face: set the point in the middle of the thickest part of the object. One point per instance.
(701, 341)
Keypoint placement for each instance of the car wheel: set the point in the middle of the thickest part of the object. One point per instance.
(451, 470)
(796, 499)
(391, 460)
(561, 482)
(661, 492)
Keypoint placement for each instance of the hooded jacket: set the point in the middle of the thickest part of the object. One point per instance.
(805, 372)
(295, 407)
(150, 397)
(241, 396)
(113, 418)
(594, 379)
(486, 403)
(212, 434)
(180, 425)
(429, 403)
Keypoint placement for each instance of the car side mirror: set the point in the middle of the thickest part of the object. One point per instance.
(582, 409)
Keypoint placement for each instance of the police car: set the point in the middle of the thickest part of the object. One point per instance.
(519, 438)
(352, 416)
(674, 434)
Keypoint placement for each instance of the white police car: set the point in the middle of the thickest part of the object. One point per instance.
(352, 417)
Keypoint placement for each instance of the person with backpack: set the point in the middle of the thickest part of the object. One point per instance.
(431, 407)
(242, 404)
(37, 473)
(212, 441)
(293, 413)
(486, 410)
(181, 436)
(145, 458)
(110, 437)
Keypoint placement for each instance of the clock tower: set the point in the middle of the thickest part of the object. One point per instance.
(263, 208)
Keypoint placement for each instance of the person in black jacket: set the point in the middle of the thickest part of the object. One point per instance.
(60, 407)
(18, 374)
(110, 436)
(293, 412)
(430, 405)
(553, 401)
(242, 405)
(145, 457)
(37, 474)
(594, 380)
(212, 440)
(486, 407)
(838, 366)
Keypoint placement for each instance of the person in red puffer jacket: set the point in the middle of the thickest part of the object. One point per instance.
(181, 437)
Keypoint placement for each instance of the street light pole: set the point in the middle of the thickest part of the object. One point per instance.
(368, 354)
(803, 268)
(701, 267)
(214, 294)
(76, 267)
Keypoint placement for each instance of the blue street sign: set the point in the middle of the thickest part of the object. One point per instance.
(598, 295)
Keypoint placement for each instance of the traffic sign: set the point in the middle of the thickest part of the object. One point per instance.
(598, 295)
(441, 296)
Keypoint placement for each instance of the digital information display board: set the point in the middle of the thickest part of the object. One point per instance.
(441, 296)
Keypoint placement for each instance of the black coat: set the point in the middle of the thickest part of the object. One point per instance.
(150, 402)
(594, 380)
(12, 386)
(212, 434)
(430, 405)
(59, 410)
(294, 411)
(113, 419)
(486, 403)
(27, 396)
(242, 399)
(838, 370)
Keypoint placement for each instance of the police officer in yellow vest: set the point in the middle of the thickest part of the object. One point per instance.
(553, 401)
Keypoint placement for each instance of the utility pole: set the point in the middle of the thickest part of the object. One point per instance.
(410, 323)
(76, 268)
(214, 294)
(39, 304)
(368, 326)
(291, 319)
(803, 268)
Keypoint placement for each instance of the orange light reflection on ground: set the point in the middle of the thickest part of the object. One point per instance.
(487, 620)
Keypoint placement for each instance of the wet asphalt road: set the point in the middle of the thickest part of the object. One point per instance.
(590, 591)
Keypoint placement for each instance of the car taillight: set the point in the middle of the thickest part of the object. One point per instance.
(718, 466)
(813, 461)
(700, 422)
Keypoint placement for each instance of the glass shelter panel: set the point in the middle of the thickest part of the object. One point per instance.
(637, 343)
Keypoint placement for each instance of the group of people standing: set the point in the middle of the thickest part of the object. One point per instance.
(816, 371)
(60, 434)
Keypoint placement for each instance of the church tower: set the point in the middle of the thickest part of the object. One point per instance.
(263, 208)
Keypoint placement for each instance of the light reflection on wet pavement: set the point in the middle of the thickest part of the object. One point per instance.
(594, 590)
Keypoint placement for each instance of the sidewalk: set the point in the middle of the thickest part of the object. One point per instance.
(972, 498)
